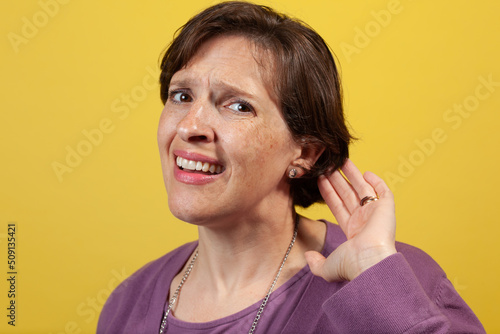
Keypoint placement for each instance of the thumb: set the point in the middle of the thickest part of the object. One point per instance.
(316, 262)
(328, 269)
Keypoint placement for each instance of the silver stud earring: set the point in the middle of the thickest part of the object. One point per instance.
(292, 173)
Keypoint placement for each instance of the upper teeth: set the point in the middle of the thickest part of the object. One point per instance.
(198, 165)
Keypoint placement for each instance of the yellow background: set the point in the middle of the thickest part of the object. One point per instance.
(79, 234)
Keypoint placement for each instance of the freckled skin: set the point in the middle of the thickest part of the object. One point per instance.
(256, 148)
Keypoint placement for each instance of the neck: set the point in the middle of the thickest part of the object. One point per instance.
(248, 254)
(234, 270)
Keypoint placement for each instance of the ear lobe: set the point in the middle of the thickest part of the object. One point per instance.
(310, 152)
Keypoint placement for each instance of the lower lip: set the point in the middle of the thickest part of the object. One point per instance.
(193, 178)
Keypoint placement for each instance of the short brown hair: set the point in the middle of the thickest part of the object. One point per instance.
(306, 80)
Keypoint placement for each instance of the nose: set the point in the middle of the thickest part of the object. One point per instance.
(196, 125)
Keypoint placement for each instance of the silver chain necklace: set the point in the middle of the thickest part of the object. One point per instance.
(264, 301)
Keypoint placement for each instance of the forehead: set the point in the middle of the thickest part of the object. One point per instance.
(233, 59)
(226, 47)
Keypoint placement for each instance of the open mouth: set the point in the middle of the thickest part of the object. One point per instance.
(198, 166)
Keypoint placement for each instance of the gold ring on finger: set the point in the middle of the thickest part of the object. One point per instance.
(368, 199)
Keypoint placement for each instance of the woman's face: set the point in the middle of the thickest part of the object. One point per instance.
(221, 115)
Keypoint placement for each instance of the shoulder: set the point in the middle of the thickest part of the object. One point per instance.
(407, 291)
(148, 273)
(427, 271)
(418, 259)
(134, 295)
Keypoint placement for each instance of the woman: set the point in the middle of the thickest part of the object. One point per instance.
(252, 126)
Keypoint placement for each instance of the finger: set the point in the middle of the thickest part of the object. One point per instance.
(345, 191)
(378, 184)
(333, 201)
(317, 264)
(362, 187)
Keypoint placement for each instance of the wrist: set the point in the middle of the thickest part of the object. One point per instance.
(370, 257)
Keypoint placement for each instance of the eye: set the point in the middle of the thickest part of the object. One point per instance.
(241, 107)
(180, 97)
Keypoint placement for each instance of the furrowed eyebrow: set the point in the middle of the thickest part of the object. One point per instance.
(180, 83)
(226, 87)
(233, 90)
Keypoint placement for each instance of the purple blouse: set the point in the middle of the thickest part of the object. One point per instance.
(405, 293)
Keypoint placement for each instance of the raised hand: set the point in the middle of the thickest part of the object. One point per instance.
(370, 229)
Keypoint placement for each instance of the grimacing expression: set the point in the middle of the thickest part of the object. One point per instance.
(224, 145)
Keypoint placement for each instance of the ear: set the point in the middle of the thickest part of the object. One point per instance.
(310, 151)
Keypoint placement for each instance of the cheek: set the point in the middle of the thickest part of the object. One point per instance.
(274, 138)
(165, 135)
(161, 127)
(166, 130)
(260, 146)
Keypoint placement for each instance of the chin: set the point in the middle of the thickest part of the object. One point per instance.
(187, 212)
(199, 214)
